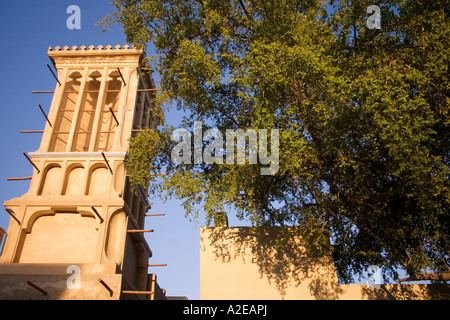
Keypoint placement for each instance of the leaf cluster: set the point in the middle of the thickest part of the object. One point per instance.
(363, 118)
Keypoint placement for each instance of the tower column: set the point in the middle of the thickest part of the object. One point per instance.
(76, 114)
(98, 109)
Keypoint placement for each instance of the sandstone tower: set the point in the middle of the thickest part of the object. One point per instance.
(78, 233)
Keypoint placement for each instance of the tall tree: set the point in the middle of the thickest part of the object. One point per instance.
(362, 114)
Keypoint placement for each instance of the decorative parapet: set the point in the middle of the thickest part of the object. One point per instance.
(99, 56)
(92, 50)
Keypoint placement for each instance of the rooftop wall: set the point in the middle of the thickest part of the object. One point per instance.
(236, 263)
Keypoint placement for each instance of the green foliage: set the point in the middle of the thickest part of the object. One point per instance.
(147, 157)
(363, 118)
(140, 162)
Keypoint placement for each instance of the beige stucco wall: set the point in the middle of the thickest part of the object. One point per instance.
(236, 264)
(15, 287)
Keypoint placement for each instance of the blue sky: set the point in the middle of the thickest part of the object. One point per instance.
(27, 29)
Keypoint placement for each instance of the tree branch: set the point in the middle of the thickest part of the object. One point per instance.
(245, 10)
(443, 276)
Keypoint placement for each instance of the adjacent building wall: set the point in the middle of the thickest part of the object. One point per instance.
(236, 263)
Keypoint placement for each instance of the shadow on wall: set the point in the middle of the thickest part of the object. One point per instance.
(294, 268)
(438, 291)
(281, 257)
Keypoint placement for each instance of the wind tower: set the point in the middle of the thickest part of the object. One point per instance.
(78, 233)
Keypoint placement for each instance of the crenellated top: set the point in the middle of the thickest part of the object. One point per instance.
(81, 56)
(93, 50)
